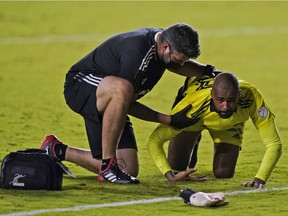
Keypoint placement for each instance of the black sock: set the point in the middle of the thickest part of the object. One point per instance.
(60, 151)
(106, 163)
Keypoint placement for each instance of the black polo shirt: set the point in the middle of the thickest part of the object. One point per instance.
(131, 56)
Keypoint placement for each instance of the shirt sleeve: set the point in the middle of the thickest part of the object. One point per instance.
(155, 144)
(263, 119)
(260, 113)
(273, 143)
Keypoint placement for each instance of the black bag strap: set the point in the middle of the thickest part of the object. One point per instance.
(65, 169)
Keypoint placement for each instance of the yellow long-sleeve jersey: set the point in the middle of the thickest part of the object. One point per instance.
(197, 92)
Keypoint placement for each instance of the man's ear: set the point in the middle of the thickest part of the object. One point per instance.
(239, 95)
(165, 45)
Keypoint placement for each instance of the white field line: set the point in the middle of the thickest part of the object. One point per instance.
(46, 39)
(134, 202)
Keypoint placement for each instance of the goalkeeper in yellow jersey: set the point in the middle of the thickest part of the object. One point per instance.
(221, 105)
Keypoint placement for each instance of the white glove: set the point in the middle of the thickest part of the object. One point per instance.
(203, 199)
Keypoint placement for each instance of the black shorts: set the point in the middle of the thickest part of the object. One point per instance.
(81, 98)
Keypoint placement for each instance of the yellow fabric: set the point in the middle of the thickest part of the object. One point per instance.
(155, 144)
(273, 144)
(251, 105)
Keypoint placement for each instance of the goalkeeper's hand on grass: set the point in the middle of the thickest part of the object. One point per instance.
(184, 176)
(180, 120)
(202, 199)
(255, 183)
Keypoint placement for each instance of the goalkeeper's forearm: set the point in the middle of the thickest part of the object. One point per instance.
(273, 144)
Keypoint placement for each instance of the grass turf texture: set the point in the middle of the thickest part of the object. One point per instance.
(39, 41)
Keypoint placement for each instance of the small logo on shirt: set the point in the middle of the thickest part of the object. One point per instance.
(144, 80)
(237, 136)
(142, 93)
(263, 112)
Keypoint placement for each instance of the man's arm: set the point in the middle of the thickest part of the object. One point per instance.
(155, 147)
(178, 120)
(272, 141)
(192, 68)
(155, 143)
(263, 119)
(146, 113)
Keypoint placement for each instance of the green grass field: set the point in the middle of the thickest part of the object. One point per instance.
(39, 41)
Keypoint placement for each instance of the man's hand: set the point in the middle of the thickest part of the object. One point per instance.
(184, 176)
(211, 71)
(255, 183)
(180, 120)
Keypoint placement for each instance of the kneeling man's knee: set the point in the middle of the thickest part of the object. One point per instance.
(223, 173)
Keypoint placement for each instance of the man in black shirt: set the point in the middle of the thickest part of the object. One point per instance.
(103, 87)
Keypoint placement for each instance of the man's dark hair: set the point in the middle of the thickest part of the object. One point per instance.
(182, 38)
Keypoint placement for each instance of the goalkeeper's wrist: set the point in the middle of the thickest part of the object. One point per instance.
(259, 181)
(170, 176)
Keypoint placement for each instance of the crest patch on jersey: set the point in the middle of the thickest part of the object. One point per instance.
(263, 112)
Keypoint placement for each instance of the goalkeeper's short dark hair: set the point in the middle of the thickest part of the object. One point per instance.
(182, 38)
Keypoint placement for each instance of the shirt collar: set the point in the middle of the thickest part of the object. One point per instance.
(212, 106)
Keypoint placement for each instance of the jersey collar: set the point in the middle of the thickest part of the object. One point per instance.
(212, 106)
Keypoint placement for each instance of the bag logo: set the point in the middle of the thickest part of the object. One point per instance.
(16, 182)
